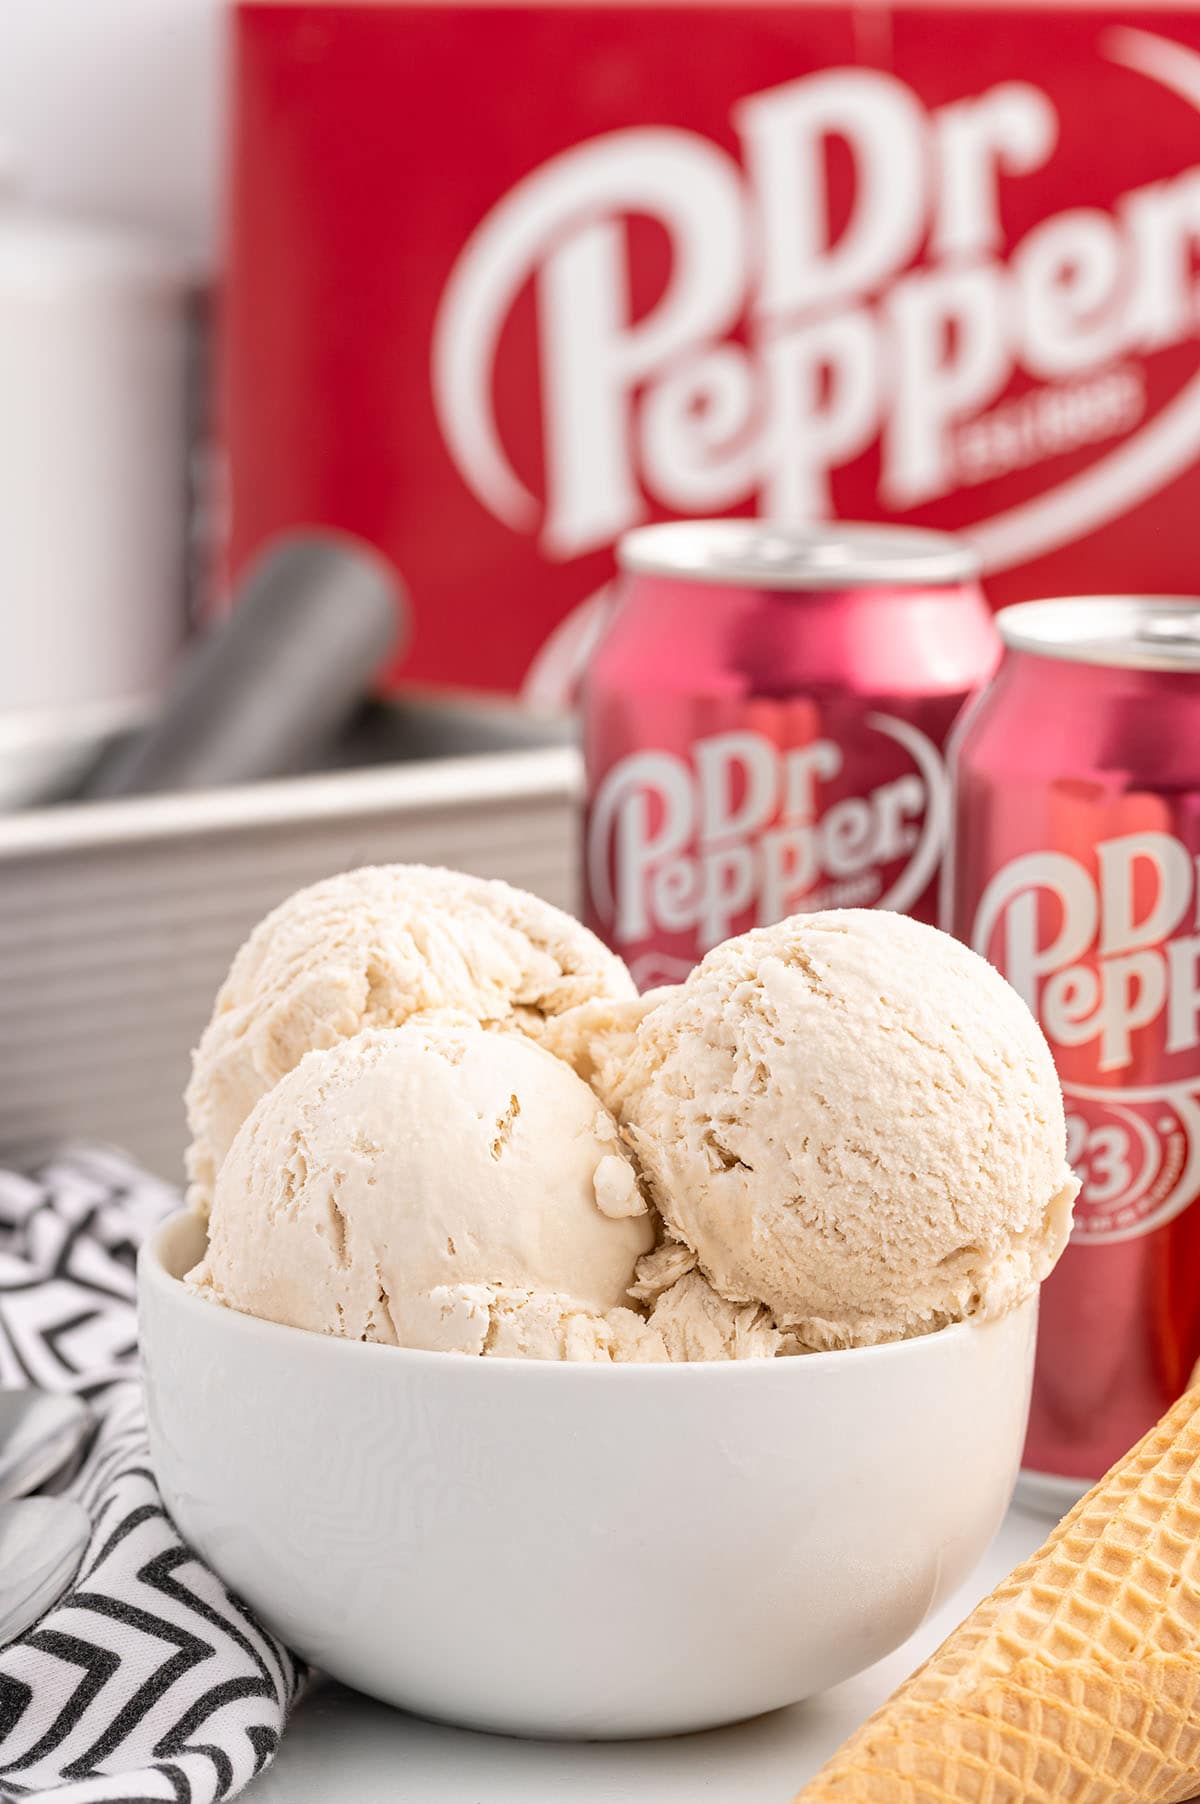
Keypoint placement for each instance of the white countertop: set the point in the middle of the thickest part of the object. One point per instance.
(342, 1746)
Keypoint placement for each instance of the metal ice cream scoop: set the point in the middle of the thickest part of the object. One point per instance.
(40, 1432)
(266, 690)
(42, 1540)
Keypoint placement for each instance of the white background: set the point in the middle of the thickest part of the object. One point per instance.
(112, 107)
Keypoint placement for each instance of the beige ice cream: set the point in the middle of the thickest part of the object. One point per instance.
(525, 1324)
(693, 1320)
(852, 1120)
(850, 1124)
(597, 1039)
(434, 1185)
(368, 949)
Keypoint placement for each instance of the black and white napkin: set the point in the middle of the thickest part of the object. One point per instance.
(147, 1681)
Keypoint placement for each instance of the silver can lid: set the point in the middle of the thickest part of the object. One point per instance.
(770, 554)
(1127, 632)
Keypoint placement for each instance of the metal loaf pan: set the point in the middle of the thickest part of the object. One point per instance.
(118, 920)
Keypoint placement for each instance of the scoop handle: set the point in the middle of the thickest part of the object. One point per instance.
(271, 685)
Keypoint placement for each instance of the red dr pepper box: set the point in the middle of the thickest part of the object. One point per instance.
(508, 280)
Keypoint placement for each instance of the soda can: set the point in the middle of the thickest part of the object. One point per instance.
(1076, 781)
(764, 724)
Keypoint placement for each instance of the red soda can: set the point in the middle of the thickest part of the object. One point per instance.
(1074, 869)
(764, 723)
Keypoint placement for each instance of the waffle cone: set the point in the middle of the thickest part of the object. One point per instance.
(1078, 1680)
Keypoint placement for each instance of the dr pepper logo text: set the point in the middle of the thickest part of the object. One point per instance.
(787, 345)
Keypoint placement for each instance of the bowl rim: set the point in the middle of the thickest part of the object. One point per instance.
(153, 1274)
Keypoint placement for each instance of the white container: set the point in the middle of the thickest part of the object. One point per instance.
(578, 1550)
(93, 464)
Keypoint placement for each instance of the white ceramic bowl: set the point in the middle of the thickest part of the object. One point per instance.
(574, 1550)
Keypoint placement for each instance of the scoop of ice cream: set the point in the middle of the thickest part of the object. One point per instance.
(422, 1159)
(367, 949)
(852, 1119)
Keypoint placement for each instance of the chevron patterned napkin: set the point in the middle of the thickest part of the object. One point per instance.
(147, 1681)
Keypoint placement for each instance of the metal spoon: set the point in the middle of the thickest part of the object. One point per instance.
(39, 1433)
(42, 1540)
